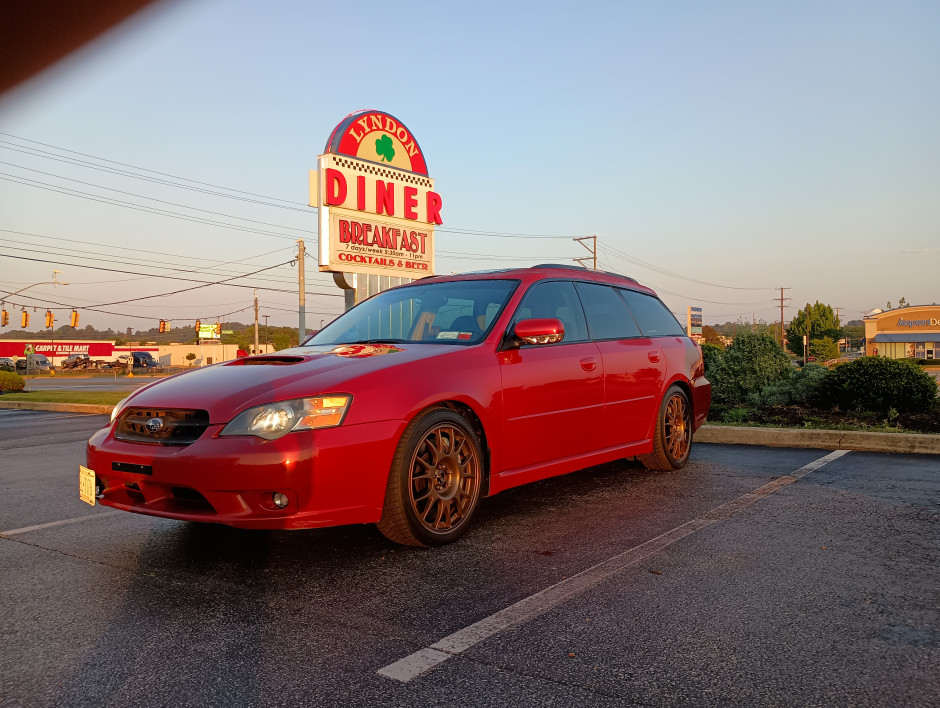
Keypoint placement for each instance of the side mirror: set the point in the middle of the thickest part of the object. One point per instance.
(539, 331)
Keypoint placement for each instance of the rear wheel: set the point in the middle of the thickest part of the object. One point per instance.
(672, 441)
(435, 481)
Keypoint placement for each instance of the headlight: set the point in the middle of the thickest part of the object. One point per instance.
(116, 411)
(273, 420)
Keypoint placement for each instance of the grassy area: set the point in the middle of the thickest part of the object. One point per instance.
(98, 397)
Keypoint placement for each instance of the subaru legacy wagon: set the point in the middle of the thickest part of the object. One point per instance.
(413, 406)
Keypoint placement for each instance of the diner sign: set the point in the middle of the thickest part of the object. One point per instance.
(377, 204)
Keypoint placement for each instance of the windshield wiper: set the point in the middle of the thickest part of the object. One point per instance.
(380, 341)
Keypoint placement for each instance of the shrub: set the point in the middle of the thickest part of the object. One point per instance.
(752, 362)
(824, 348)
(801, 388)
(11, 382)
(876, 383)
(736, 415)
(712, 355)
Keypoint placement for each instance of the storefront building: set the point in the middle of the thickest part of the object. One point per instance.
(904, 333)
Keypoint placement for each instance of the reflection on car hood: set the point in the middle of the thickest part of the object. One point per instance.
(228, 388)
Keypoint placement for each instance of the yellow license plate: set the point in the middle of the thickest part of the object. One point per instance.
(86, 485)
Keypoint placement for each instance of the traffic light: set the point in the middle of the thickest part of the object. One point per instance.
(162, 328)
(50, 318)
(24, 321)
(74, 319)
(4, 318)
(198, 325)
(218, 329)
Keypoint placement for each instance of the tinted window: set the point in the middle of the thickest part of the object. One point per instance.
(654, 318)
(607, 315)
(555, 298)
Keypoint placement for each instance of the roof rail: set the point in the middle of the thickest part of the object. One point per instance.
(581, 267)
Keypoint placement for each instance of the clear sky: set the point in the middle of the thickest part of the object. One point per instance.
(748, 146)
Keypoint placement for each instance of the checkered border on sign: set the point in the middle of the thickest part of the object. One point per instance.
(383, 172)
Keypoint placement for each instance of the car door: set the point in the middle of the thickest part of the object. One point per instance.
(634, 367)
(553, 394)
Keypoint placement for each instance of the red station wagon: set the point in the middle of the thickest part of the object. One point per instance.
(409, 408)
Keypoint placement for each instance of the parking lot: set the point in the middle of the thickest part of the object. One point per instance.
(754, 576)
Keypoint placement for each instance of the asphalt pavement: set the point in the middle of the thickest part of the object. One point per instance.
(754, 576)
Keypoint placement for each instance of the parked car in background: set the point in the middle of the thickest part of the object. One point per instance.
(7, 364)
(76, 361)
(411, 407)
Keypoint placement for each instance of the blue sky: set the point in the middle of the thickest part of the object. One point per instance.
(744, 145)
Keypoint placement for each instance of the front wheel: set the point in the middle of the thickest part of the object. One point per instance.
(672, 441)
(435, 481)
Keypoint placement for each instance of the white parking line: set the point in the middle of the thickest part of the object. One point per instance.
(39, 527)
(415, 664)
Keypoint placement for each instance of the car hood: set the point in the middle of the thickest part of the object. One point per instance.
(226, 389)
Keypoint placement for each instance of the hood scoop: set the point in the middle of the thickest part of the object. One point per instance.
(266, 361)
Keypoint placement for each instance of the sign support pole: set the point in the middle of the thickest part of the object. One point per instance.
(302, 307)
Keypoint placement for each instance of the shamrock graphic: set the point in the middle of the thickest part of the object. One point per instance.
(383, 146)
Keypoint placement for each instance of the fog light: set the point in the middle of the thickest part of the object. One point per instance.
(280, 500)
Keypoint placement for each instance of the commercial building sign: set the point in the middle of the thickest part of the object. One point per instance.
(694, 324)
(926, 322)
(377, 204)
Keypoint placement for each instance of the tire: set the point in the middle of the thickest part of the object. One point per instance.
(672, 441)
(435, 481)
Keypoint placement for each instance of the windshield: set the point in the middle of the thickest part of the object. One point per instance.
(455, 312)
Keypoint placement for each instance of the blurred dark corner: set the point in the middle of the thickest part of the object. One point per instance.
(35, 34)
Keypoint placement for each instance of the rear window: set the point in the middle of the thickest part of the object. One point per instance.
(653, 317)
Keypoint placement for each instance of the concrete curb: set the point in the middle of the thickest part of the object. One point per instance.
(58, 407)
(913, 443)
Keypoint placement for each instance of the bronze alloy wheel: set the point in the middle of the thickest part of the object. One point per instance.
(677, 425)
(672, 439)
(444, 478)
(435, 481)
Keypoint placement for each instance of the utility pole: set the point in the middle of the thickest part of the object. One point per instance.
(302, 326)
(267, 335)
(781, 316)
(592, 251)
(256, 322)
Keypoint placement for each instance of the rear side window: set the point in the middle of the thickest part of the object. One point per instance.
(555, 298)
(607, 315)
(652, 315)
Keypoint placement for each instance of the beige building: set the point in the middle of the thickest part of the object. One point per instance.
(205, 354)
(904, 332)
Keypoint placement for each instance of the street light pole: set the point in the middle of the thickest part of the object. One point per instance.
(55, 281)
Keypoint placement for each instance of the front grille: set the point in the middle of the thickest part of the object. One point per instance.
(176, 426)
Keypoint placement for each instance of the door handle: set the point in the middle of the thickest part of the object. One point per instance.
(652, 356)
(588, 363)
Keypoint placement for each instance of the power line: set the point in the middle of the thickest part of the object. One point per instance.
(65, 253)
(144, 169)
(643, 264)
(169, 277)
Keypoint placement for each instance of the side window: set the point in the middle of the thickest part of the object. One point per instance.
(607, 315)
(652, 315)
(555, 298)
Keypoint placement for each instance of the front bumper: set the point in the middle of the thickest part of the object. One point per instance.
(331, 476)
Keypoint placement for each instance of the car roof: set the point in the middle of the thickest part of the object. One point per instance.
(544, 271)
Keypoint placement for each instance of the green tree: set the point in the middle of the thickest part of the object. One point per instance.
(712, 337)
(817, 321)
(750, 363)
(902, 302)
(824, 348)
